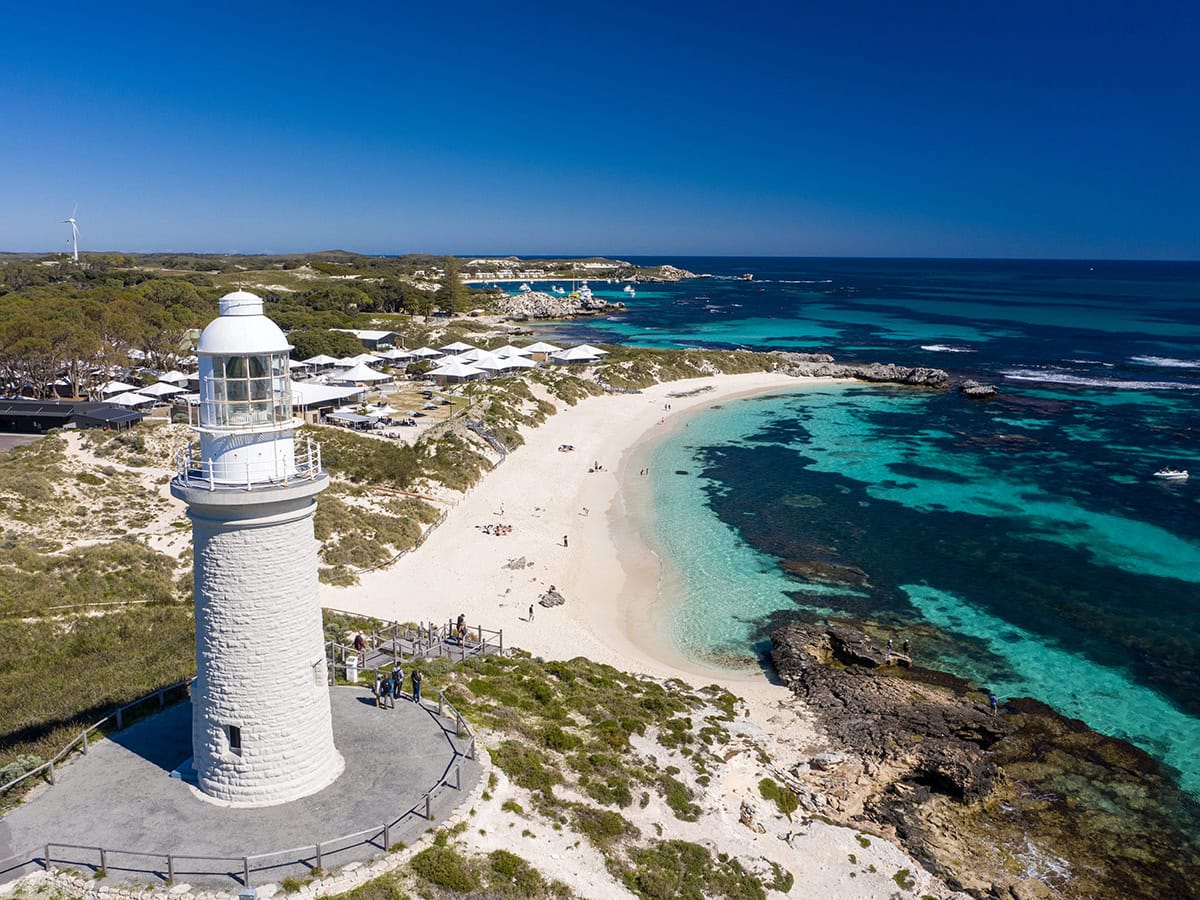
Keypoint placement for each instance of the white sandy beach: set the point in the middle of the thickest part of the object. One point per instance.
(608, 575)
(613, 614)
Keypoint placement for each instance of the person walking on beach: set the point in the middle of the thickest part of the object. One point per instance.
(993, 702)
(417, 678)
(530, 612)
(564, 540)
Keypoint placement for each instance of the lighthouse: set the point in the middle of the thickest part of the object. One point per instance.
(261, 727)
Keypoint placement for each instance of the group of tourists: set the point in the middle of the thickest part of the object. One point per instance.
(497, 529)
(389, 686)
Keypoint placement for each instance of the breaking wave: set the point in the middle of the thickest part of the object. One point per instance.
(1124, 384)
(1166, 362)
(946, 348)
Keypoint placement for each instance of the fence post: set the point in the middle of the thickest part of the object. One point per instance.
(471, 749)
(46, 857)
(318, 855)
(51, 772)
(441, 703)
(395, 645)
(387, 840)
(428, 815)
(120, 718)
(85, 746)
(458, 777)
(246, 871)
(458, 723)
(103, 860)
(170, 869)
(501, 641)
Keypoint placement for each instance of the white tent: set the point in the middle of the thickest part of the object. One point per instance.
(160, 389)
(426, 351)
(473, 354)
(509, 350)
(320, 360)
(308, 394)
(359, 373)
(117, 387)
(174, 376)
(457, 347)
(542, 347)
(575, 354)
(364, 359)
(394, 354)
(346, 362)
(518, 362)
(455, 368)
(596, 351)
(130, 398)
(489, 364)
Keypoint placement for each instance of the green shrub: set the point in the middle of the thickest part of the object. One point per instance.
(444, 867)
(520, 875)
(524, 766)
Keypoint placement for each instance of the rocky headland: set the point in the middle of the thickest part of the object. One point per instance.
(822, 365)
(540, 305)
(1023, 804)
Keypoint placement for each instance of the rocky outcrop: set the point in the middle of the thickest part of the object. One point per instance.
(977, 391)
(540, 305)
(552, 598)
(666, 273)
(1028, 803)
(822, 365)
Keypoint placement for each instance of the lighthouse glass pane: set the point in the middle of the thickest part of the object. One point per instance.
(247, 391)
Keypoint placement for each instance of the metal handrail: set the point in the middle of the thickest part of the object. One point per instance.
(250, 862)
(191, 467)
(82, 738)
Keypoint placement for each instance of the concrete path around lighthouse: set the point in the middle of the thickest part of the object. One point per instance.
(120, 796)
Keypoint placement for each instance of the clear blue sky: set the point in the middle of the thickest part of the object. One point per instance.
(807, 128)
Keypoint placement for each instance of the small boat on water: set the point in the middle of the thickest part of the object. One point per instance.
(629, 290)
(525, 288)
(557, 290)
(1172, 474)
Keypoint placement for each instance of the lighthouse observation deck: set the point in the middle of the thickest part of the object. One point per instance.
(195, 470)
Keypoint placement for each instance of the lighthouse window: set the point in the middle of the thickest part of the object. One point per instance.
(234, 734)
(248, 391)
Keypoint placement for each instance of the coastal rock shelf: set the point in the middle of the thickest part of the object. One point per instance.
(540, 305)
(1027, 803)
(822, 365)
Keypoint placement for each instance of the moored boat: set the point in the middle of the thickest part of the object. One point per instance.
(1172, 474)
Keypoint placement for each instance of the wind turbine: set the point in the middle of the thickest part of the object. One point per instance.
(74, 233)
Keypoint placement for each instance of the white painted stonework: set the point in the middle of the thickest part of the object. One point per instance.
(260, 655)
(260, 648)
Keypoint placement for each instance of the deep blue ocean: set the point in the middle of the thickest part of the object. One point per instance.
(1021, 542)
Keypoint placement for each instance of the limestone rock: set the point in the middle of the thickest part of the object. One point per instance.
(552, 598)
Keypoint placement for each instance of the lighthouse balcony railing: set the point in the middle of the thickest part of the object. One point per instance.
(193, 470)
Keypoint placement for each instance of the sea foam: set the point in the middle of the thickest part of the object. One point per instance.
(1122, 384)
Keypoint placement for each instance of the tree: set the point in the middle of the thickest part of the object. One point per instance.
(307, 344)
(452, 295)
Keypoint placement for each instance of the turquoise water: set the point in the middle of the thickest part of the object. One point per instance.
(1022, 542)
(1031, 589)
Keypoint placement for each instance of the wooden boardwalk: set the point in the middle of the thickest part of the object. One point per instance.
(399, 644)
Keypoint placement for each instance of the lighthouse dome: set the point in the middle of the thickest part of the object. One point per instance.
(241, 329)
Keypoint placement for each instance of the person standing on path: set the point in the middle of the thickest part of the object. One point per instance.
(377, 690)
(385, 693)
(417, 678)
(993, 702)
(397, 684)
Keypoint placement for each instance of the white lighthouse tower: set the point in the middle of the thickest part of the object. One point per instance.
(261, 727)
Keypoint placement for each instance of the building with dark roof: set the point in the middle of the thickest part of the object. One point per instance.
(38, 416)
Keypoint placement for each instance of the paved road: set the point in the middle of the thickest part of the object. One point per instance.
(121, 796)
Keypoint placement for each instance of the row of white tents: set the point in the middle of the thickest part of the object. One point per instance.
(455, 362)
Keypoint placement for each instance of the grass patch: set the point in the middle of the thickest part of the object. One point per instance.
(446, 868)
(680, 869)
